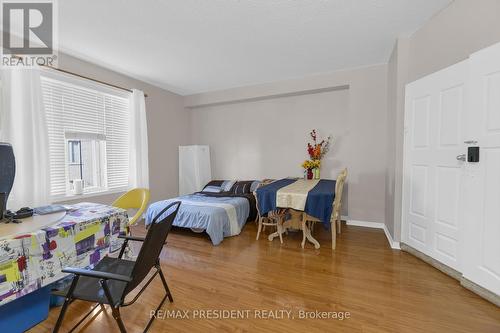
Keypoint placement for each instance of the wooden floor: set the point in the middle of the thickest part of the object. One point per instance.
(382, 289)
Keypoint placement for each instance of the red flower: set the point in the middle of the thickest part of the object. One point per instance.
(310, 150)
(317, 150)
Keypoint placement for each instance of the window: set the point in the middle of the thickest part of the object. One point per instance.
(84, 161)
(88, 134)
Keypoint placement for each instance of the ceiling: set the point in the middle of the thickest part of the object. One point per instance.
(192, 46)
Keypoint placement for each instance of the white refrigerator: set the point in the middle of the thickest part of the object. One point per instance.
(194, 168)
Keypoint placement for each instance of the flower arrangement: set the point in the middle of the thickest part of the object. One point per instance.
(311, 164)
(316, 152)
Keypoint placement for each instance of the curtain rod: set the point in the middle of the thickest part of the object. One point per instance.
(82, 76)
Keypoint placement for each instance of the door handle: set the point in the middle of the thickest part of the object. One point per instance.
(471, 142)
(461, 157)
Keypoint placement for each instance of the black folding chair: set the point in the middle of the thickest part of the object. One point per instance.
(112, 279)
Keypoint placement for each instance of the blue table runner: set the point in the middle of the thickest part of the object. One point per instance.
(319, 200)
(318, 203)
(266, 195)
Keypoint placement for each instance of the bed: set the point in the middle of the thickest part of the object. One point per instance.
(221, 209)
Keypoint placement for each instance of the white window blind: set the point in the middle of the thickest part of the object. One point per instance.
(76, 108)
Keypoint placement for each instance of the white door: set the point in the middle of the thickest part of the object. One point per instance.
(434, 121)
(481, 190)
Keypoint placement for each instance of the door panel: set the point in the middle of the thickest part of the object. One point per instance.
(490, 238)
(446, 246)
(417, 236)
(447, 187)
(421, 122)
(450, 126)
(481, 236)
(432, 174)
(419, 189)
(493, 101)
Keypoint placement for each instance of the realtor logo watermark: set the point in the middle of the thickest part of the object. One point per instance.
(257, 314)
(29, 35)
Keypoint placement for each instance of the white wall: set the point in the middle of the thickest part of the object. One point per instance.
(462, 28)
(267, 138)
(392, 70)
(261, 131)
(397, 78)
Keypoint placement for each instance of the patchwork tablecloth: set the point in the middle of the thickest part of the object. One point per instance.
(84, 236)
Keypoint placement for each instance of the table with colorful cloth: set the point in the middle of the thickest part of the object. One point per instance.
(33, 260)
(311, 197)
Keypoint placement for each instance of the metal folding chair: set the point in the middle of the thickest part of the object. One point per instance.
(112, 279)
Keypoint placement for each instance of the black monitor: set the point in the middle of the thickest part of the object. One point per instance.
(7, 172)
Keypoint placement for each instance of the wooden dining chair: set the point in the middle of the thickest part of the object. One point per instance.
(336, 218)
(274, 218)
(337, 204)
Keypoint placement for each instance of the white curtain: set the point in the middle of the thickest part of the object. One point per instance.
(23, 125)
(138, 162)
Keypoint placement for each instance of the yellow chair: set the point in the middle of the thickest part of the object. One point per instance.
(138, 198)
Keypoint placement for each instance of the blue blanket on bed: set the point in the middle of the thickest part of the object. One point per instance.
(213, 214)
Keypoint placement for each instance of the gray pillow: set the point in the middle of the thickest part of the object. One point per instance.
(212, 189)
(227, 185)
(254, 185)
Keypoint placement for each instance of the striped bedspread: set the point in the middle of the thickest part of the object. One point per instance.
(315, 197)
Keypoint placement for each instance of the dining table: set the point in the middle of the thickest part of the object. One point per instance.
(306, 199)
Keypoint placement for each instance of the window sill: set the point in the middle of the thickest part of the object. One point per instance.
(73, 197)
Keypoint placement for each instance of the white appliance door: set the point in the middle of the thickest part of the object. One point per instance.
(194, 168)
(482, 187)
(432, 175)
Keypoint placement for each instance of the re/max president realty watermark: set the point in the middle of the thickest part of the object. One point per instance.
(262, 314)
(29, 33)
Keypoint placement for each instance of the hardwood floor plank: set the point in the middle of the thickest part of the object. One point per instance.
(383, 290)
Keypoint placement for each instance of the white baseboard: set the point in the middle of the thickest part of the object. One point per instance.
(377, 225)
(366, 224)
(393, 244)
